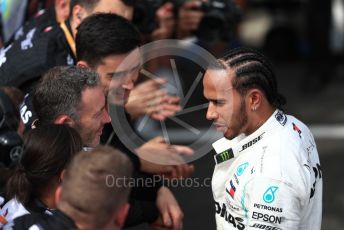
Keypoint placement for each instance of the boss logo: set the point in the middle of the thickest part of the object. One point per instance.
(250, 143)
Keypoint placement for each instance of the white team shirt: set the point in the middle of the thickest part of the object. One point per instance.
(11, 210)
(270, 179)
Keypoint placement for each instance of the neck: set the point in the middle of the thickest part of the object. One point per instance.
(258, 118)
(47, 196)
(59, 17)
(73, 25)
(48, 200)
(72, 213)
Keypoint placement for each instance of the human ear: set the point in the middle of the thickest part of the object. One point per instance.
(78, 13)
(62, 175)
(82, 64)
(64, 119)
(121, 214)
(254, 99)
(58, 194)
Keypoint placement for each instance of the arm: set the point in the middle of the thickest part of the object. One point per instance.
(141, 212)
(171, 215)
(27, 59)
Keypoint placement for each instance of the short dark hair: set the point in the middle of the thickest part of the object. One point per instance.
(59, 92)
(104, 34)
(252, 70)
(48, 150)
(89, 179)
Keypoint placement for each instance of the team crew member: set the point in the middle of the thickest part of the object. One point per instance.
(103, 42)
(34, 180)
(43, 19)
(85, 200)
(267, 172)
(23, 62)
(85, 110)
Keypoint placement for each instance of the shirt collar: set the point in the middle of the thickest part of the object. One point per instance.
(227, 149)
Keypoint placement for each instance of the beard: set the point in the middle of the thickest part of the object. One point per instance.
(240, 122)
(86, 135)
(77, 126)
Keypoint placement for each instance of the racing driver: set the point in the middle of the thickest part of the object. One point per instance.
(267, 173)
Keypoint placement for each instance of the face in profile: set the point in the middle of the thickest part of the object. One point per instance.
(118, 74)
(93, 115)
(226, 106)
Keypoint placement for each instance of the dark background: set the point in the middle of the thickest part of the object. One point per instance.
(296, 36)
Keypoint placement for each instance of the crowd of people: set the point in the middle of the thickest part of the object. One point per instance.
(59, 74)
